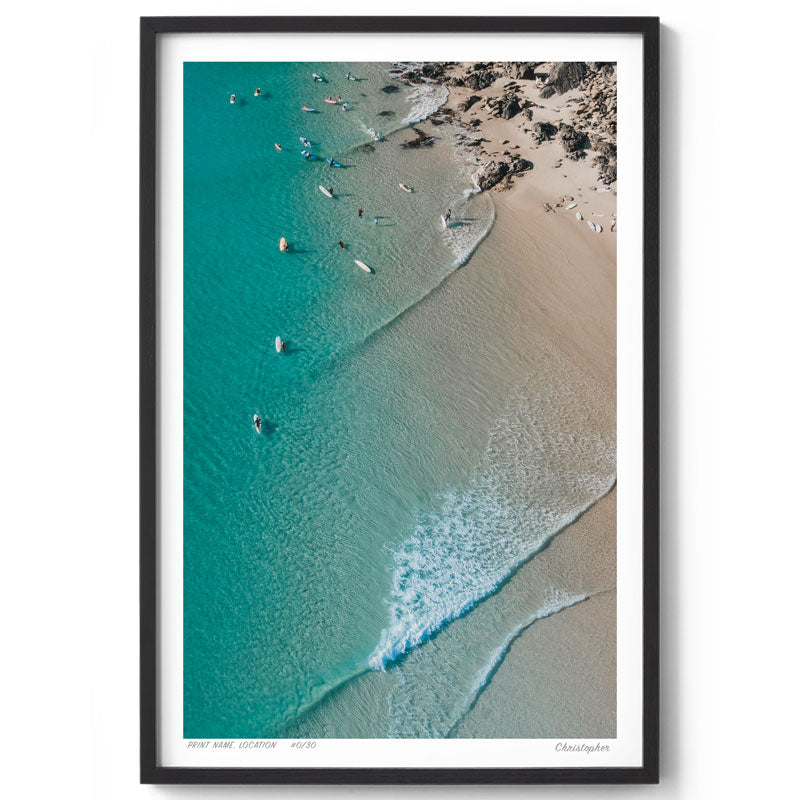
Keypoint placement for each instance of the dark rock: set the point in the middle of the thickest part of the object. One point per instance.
(521, 70)
(606, 161)
(455, 81)
(432, 70)
(367, 148)
(565, 75)
(510, 108)
(469, 102)
(475, 122)
(391, 88)
(496, 171)
(492, 173)
(573, 141)
(421, 140)
(542, 131)
(480, 80)
(386, 113)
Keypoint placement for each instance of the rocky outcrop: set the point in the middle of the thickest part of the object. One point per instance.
(432, 70)
(481, 79)
(391, 88)
(597, 111)
(467, 104)
(508, 107)
(420, 140)
(606, 161)
(573, 141)
(563, 76)
(500, 173)
(521, 70)
(543, 131)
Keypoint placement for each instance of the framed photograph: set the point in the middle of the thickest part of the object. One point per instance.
(399, 400)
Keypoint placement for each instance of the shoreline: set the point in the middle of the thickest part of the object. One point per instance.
(549, 142)
(572, 277)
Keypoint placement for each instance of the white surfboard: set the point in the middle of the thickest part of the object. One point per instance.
(405, 188)
(325, 191)
(256, 423)
(363, 266)
(278, 344)
(283, 245)
(571, 205)
(578, 215)
(591, 224)
(444, 221)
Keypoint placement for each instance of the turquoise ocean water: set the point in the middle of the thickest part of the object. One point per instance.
(342, 568)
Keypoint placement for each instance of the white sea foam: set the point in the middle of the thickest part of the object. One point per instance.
(557, 600)
(540, 472)
(463, 238)
(425, 99)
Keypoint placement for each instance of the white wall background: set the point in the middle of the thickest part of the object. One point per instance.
(69, 338)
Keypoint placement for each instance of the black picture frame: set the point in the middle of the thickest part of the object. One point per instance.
(150, 770)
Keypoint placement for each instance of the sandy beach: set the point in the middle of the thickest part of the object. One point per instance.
(562, 669)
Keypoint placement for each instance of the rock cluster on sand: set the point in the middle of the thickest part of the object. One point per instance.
(573, 141)
(420, 140)
(563, 76)
(583, 123)
(494, 172)
(481, 79)
(428, 71)
(543, 131)
(521, 70)
(606, 161)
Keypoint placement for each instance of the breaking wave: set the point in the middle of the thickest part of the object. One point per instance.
(539, 474)
(425, 99)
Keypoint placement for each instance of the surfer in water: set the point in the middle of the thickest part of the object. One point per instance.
(447, 216)
(257, 93)
(341, 244)
(360, 211)
(257, 423)
(375, 221)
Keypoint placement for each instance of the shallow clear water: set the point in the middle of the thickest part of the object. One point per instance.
(397, 481)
